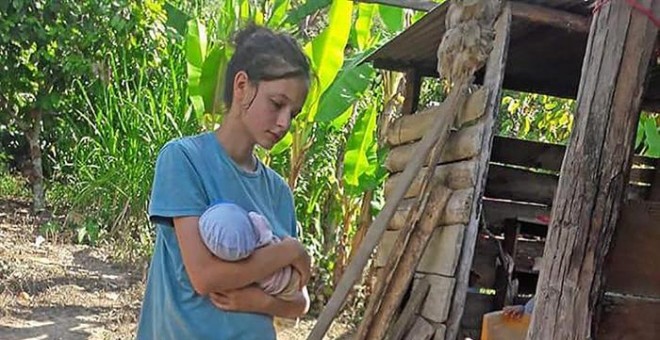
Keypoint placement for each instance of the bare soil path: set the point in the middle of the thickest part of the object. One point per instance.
(58, 290)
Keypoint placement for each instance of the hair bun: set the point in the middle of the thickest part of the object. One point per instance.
(247, 33)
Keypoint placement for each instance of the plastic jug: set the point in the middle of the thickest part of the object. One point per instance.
(496, 326)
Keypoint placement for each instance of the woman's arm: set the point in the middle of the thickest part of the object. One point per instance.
(254, 300)
(208, 273)
(287, 309)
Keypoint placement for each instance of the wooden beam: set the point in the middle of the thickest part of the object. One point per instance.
(526, 153)
(595, 172)
(498, 211)
(493, 79)
(418, 5)
(546, 156)
(550, 17)
(520, 185)
(506, 183)
(412, 92)
(409, 128)
(462, 144)
(654, 194)
(651, 105)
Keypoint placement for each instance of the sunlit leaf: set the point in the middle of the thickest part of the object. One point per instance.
(198, 106)
(363, 24)
(244, 10)
(392, 17)
(350, 83)
(652, 137)
(327, 52)
(195, 54)
(212, 79)
(361, 149)
(340, 121)
(278, 16)
(307, 8)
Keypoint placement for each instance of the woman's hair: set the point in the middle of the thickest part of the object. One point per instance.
(264, 55)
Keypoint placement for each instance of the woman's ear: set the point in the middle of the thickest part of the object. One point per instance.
(242, 89)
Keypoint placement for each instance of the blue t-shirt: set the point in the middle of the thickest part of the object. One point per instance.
(191, 173)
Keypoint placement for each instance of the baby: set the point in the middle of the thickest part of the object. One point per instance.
(232, 234)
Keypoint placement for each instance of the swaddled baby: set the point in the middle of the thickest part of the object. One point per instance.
(232, 234)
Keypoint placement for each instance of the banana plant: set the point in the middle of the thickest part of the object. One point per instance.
(648, 135)
(207, 55)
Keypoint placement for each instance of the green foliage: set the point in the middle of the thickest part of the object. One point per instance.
(363, 26)
(549, 119)
(278, 13)
(46, 47)
(117, 145)
(361, 159)
(12, 186)
(305, 9)
(51, 230)
(648, 135)
(326, 52)
(535, 117)
(350, 84)
(392, 17)
(49, 44)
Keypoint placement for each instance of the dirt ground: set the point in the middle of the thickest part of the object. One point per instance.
(56, 290)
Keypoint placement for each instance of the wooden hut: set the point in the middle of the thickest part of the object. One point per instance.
(541, 48)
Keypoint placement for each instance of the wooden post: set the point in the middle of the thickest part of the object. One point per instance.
(493, 82)
(412, 92)
(595, 171)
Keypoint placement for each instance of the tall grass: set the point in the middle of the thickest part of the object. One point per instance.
(12, 186)
(123, 128)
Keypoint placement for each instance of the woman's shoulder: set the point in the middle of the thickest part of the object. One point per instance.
(188, 145)
(276, 179)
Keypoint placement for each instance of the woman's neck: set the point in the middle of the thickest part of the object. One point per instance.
(235, 141)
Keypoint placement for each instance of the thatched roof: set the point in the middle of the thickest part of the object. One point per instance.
(547, 46)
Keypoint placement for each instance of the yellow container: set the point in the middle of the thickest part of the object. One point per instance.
(496, 326)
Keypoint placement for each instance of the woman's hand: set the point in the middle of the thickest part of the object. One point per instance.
(253, 299)
(302, 263)
(250, 299)
(514, 312)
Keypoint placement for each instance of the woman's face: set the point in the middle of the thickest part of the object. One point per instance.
(269, 108)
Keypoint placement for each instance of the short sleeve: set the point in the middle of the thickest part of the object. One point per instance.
(177, 187)
(288, 208)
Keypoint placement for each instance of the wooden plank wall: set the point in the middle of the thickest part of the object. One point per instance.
(521, 183)
(523, 178)
(631, 305)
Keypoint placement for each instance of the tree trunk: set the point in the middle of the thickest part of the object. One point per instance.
(595, 171)
(33, 136)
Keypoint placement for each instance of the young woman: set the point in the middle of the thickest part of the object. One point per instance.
(190, 293)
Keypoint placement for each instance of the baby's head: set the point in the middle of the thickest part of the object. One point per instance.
(230, 232)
